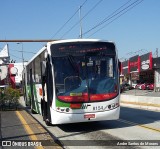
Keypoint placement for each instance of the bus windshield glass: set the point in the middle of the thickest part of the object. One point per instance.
(85, 72)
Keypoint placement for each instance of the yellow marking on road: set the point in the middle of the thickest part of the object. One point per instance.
(27, 128)
(140, 125)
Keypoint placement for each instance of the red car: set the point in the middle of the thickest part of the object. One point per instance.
(151, 86)
(142, 86)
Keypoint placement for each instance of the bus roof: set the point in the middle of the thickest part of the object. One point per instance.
(78, 40)
(65, 41)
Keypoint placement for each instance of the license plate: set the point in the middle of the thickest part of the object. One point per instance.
(86, 116)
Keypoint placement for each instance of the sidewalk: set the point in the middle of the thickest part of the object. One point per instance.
(142, 99)
(20, 130)
(137, 92)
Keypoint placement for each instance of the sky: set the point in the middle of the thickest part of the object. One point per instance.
(134, 30)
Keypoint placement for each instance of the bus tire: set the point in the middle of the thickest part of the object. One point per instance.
(33, 112)
(47, 122)
(43, 116)
(42, 107)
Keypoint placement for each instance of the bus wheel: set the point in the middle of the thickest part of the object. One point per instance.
(42, 111)
(47, 122)
(43, 115)
(32, 111)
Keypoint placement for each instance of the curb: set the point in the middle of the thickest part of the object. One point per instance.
(141, 102)
(144, 106)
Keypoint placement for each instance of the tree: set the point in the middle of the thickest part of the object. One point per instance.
(10, 98)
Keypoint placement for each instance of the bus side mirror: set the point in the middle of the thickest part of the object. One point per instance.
(43, 68)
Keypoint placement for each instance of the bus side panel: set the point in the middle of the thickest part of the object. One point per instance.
(27, 91)
(28, 95)
(36, 100)
(27, 88)
(33, 109)
(38, 97)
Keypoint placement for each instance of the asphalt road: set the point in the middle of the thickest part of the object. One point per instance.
(134, 124)
(135, 127)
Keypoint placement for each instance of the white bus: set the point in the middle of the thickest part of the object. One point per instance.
(70, 81)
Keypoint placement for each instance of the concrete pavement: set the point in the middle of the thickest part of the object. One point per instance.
(142, 99)
(19, 129)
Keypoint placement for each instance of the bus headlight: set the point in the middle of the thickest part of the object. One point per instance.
(113, 106)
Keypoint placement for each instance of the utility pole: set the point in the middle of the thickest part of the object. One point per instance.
(156, 52)
(22, 53)
(80, 21)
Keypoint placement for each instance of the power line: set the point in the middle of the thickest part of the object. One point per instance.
(22, 51)
(107, 17)
(92, 9)
(68, 20)
(114, 19)
(82, 18)
(114, 14)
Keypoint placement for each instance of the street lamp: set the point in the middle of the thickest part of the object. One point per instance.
(22, 53)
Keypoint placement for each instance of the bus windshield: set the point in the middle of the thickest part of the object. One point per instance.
(87, 77)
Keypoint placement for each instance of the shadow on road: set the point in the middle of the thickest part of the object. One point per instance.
(137, 116)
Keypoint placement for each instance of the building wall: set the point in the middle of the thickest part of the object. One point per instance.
(18, 76)
(3, 74)
(11, 77)
(157, 80)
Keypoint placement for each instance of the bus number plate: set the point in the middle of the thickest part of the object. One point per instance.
(86, 116)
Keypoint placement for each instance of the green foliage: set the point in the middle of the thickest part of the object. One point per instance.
(10, 98)
(11, 93)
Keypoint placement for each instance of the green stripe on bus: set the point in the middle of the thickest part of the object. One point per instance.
(62, 104)
(28, 95)
(36, 99)
(35, 105)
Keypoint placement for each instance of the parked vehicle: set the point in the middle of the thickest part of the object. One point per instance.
(138, 85)
(125, 86)
(143, 86)
(121, 88)
(3, 88)
(150, 86)
(134, 85)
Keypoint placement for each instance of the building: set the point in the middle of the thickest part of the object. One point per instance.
(15, 73)
(141, 69)
(10, 73)
(156, 67)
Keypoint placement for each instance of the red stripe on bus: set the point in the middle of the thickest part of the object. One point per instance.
(84, 97)
(75, 106)
(100, 97)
